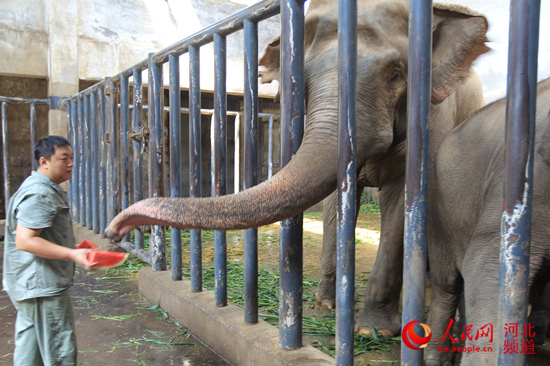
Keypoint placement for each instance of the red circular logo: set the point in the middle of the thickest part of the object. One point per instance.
(409, 335)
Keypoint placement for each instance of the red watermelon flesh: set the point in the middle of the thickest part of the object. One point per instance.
(106, 259)
(85, 244)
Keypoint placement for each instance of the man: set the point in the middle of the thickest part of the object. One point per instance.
(39, 260)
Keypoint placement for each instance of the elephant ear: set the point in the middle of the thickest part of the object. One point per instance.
(271, 61)
(459, 36)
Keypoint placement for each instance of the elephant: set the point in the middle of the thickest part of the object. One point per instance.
(459, 36)
(465, 210)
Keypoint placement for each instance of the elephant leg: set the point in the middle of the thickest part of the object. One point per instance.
(540, 310)
(326, 291)
(381, 309)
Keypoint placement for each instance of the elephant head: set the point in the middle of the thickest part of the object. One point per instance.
(382, 47)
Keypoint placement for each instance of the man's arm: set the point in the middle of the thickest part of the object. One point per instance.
(29, 240)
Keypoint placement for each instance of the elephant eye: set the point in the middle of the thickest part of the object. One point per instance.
(394, 75)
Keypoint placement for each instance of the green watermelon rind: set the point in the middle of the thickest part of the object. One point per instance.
(104, 254)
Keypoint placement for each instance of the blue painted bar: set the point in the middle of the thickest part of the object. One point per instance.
(81, 160)
(518, 182)
(70, 138)
(347, 181)
(157, 246)
(108, 133)
(270, 149)
(114, 132)
(195, 162)
(175, 161)
(124, 143)
(251, 167)
(137, 172)
(292, 130)
(33, 134)
(75, 189)
(102, 123)
(219, 164)
(419, 104)
(96, 151)
(88, 161)
(6, 154)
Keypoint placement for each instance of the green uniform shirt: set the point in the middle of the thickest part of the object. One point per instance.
(38, 204)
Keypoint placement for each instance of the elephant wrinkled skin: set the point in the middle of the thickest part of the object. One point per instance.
(459, 36)
(464, 225)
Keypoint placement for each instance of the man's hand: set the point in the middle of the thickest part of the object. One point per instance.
(80, 256)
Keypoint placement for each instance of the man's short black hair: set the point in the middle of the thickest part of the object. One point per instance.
(46, 147)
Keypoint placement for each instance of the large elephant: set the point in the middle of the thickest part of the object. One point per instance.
(464, 226)
(459, 36)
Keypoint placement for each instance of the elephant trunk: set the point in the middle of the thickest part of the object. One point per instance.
(308, 178)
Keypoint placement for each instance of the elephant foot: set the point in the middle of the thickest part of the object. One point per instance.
(326, 293)
(540, 320)
(387, 323)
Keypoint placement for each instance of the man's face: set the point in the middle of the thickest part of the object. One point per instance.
(60, 166)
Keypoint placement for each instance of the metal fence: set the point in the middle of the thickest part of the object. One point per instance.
(109, 135)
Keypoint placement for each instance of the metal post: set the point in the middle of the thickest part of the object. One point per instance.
(137, 124)
(88, 161)
(157, 245)
(416, 190)
(6, 154)
(96, 151)
(251, 167)
(518, 182)
(219, 148)
(108, 149)
(195, 162)
(270, 149)
(292, 127)
(124, 143)
(33, 135)
(81, 160)
(175, 142)
(114, 149)
(102, 150)
(70, 138)
(347, 181)
(75, 189)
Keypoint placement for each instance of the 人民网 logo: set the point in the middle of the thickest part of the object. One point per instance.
(409, 335)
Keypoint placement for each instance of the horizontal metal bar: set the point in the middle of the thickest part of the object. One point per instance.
(14, 100)
(140, 253)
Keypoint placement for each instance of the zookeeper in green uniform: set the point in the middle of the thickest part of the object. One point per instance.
(39, 260)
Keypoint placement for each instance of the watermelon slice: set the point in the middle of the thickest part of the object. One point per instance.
(106, 259)
(85, 244)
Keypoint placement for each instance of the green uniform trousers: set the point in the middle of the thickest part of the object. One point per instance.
(45, 331)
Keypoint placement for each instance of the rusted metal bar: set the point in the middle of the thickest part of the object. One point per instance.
(81, 161)
(95, 161)
(518, 181)
(6, 154)
(195, 162)
(156, 99)
(102, 124)
(124, 143)
(33, 134)
(75, 189)
(138, 149)
(347, 181)
(251, 167)
(175, 161)
(419, 104)
(292, 130)
(219, 164)
(88, 162)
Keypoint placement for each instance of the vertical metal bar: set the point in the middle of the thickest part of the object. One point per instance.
(81, 160)
(195, 162)
(157, 245)
(237, 154)
(347, 181)
(102, 150)
(292, 115)
(75, 179)
(416, 191)
(6, 155)
(114, 190)
(251, 167)
(94, 178)
(124, 143)
(108, 149)
(270, 149)
(518, 182)
(88, 161)
(175, 142)
(137, 124)
(70, 138)
(33, 135)
(219, 155)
